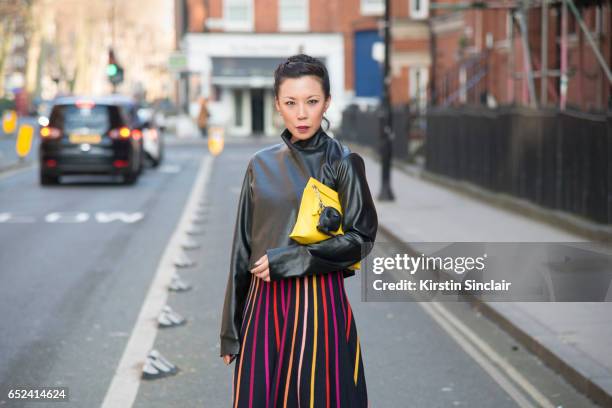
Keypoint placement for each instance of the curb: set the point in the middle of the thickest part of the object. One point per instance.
(15, 166)
(581, 382)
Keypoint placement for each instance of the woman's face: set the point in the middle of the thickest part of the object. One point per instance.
(301, 102)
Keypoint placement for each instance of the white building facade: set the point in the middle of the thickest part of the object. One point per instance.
(235, 71)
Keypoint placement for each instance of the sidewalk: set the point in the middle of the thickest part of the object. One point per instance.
(574, 339)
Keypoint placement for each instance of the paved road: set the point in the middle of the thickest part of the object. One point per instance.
(70, 294)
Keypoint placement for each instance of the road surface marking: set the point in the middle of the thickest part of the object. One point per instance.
(486, 357)
(128, 218)
(13, 171)
(7, 217)
(67, 217)
(124, 386)
(78, 217)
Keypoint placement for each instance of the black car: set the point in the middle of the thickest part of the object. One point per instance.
(89, 136)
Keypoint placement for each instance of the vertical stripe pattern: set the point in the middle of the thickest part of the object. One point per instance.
(299, 346)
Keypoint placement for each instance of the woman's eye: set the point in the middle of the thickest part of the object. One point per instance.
(311, 102)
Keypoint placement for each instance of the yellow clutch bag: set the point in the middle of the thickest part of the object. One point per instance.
(317, 198)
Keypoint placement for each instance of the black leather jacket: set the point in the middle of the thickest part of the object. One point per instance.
(268, 205)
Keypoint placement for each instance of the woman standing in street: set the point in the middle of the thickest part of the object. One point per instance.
(286, 318)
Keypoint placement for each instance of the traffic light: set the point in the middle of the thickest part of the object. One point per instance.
(111, 70)
(115, 74)
(114, 71)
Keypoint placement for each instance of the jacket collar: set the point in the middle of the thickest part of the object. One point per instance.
(315, 142)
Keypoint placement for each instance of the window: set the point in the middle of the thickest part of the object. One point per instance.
(418, 81)
(293, 15)
(72, 118)
(372, 7)
(238, 15)
(419, 9)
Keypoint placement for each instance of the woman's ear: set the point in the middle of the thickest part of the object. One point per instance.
(327, 102)
(277, 105)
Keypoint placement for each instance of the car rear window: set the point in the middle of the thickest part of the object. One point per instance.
(72, 118)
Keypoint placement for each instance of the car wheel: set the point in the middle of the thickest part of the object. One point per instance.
(130, 178)
(47, 180)
(154, 162)
(141, 163)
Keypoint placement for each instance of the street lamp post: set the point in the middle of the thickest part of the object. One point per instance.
(386, 134)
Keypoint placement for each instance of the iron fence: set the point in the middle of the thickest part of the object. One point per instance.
(560, 160)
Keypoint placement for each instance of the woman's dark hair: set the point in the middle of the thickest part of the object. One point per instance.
(298, 66)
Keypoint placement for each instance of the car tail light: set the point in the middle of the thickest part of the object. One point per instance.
(50, 163)
(120, 164)
(47, 133)
(120, 133)
(136, 134)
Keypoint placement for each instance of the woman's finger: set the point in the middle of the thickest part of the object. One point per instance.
(265, 275)
(262, 273)
(261, 267)
(258, 269)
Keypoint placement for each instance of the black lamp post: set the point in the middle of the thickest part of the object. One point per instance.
(386, 134)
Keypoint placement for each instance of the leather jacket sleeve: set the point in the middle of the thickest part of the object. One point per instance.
(239, 276)
(360, 224)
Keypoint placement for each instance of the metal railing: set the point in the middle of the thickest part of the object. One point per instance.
(558, 159)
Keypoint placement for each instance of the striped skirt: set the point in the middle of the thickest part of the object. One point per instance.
(300, 346)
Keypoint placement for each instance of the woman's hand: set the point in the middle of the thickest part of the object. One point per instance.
(262, 268)
(228, 358)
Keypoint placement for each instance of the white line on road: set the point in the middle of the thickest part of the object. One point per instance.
(74, 217)
(124, 386)
(11, 172)
(495, 365)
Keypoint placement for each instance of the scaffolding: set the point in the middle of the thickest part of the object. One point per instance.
(519, 10)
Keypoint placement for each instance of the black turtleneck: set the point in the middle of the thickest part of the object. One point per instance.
(315, 142)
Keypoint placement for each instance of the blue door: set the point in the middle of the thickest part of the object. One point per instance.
(368, 73)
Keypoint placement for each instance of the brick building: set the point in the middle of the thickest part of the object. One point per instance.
(442, 53)
(479, 56)
(233, 46)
